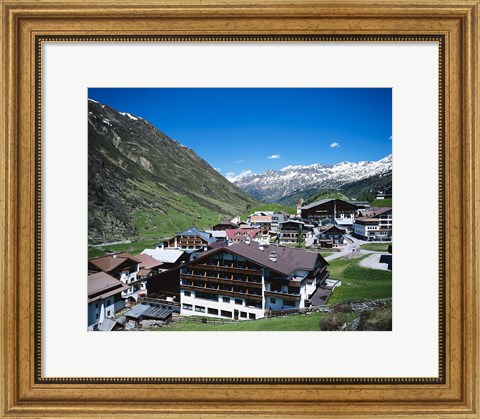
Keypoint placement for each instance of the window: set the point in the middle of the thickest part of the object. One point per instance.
(213, 311)
(108, 302)
(243, 315)
(224, 313)
(109, 313)
(238, 301)
(200, 309)
(273, 300)
(96, 316)
(226, 299)
(96, 305)
(187, 293)
(251, 316)
(187, 307)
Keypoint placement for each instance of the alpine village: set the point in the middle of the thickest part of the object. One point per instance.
(175, 246)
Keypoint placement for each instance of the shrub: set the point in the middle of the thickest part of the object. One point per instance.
(342, 308)
(379, 320)
(333, 321)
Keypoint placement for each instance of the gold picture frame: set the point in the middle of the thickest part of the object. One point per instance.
(26, 24)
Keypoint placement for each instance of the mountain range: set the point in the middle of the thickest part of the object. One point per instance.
(144, 184)
(277, 185)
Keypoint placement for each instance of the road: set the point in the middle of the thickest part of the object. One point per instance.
(353, 246)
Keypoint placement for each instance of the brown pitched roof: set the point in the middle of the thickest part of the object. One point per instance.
(110, 262)
(288, 258)
(147, 261)
(101, 285)
(332, 227)
(144, 272)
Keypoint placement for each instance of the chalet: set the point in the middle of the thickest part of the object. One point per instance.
(104, 297)
(291, 231)
(374, 224)
(243, 281)
(385, 193)
(330, 236)
(191, 239)
(261, 219)
(225, 225)
(124, 267)
(337, 210)
(243, 235)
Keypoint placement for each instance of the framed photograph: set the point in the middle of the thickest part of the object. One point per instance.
(281, 196)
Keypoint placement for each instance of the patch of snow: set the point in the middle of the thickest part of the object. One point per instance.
(130, 116)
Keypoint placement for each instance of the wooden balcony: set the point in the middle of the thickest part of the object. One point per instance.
(323, 276)
(320, 270)
(246, 295)
(227, 268)
(283, 295)
(224, 281)
(284, 281)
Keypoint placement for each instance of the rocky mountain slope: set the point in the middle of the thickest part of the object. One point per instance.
(274, 185)
(142, 183)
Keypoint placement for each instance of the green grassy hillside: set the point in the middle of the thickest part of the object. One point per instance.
(269, 207)
(143, 185)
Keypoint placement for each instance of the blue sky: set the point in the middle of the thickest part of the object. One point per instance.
(239, 130)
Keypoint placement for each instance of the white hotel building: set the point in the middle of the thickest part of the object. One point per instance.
(242, 281)
(374, 224)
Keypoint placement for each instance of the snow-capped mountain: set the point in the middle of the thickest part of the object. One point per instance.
(272, 185)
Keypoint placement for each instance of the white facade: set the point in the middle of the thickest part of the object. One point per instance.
(225, 307)
(136, 285)
(101, 309)
(374, 229)
(276, 302)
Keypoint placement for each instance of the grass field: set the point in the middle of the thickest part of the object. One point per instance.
(358, 282)
(377, 247)
(381, 203)
(292, 323)
(133, 248)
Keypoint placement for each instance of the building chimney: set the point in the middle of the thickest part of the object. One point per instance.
(273, 256)
(261, 247)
